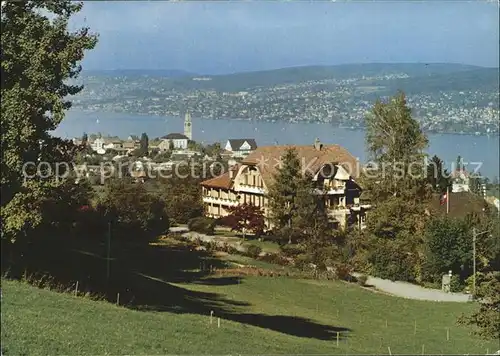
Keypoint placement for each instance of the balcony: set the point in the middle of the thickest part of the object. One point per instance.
(219, 201)
(358, 207)
(250, 189)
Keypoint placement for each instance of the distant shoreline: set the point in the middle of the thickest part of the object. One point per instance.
(478, 134)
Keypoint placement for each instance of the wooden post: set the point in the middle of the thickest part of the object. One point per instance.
(218, 322)
(386, 323)
(118, 299)
(76, 289)
(211, 315)
(338, 339)
(423, 349)
(415, 328)
(447, 334)
(388, 348)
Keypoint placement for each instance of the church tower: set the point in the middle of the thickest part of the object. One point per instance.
(188, 126)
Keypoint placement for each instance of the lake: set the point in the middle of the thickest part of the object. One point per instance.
(484, 149)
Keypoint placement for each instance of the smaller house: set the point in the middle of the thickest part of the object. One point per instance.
(241, 147)
(178, 140)
(460, 181)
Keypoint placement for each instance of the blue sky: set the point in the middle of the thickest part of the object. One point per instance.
(223, 37)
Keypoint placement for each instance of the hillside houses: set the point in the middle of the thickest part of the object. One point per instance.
(240, 147)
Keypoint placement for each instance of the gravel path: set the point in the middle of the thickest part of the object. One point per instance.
(399, 289)
(411, 291)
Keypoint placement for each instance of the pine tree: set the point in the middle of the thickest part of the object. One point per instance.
(296, 208)
(437, 176)
(144, 144)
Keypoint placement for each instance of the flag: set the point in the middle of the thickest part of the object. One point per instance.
(443, 199)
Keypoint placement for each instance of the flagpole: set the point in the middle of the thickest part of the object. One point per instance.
(447, 200)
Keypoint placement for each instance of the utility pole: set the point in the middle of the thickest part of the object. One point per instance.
(473, 262)
(447, 200)
(108, 252)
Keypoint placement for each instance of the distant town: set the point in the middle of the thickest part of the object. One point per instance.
(456, 104)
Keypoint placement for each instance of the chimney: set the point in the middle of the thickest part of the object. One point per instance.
(317, 144)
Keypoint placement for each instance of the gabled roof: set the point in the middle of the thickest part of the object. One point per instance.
(268, 158)
(175, 136)
(236, 143)
(223, 181)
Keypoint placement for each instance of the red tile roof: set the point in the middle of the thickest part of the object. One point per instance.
(267, 158)
(223, 181)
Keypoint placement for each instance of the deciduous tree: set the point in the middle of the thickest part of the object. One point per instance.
(38, 57)
(245, 217)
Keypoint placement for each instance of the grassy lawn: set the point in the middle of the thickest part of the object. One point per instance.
(262, 315)
(169, 294)
(266, 246)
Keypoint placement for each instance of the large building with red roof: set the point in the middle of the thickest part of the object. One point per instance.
(332, 167)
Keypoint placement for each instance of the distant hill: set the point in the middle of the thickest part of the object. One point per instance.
(245, 80)
(476, 79)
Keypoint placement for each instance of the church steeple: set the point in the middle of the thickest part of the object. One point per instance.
(188, 126)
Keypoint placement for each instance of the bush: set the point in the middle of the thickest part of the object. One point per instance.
(302, 262)
(392, 261)
(254, 251)
(343, 272)
(291, 250)
(202, 225)
(456, 285)
(275, 258)
(361, 280)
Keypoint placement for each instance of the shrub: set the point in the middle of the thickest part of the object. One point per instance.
(392, 261)
(456, 284)
(254, 251)
(275, 258)
(302, 262)
(228, 249)
(202, 225)
(361, 280)
(291, 250)
(342, 272)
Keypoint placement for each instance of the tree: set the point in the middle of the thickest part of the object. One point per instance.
(245, 217)
(132, 211)
(283, 191)
(447, 246)
(486, 319)
(144, 144)
(476, 183)
(397, 189)
(38, 57)
(85, 139)
(214, 150)
(395, 142)
(460, 164)
(437, 176)
(296, 210)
